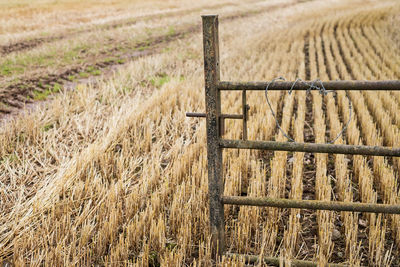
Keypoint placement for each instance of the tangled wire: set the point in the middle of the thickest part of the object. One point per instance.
(313, 85)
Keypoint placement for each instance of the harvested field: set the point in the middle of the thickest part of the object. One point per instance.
(100, 166)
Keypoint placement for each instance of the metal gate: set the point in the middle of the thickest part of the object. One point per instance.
(215, 145)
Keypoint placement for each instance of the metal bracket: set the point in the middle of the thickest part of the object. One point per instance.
(245, 112)
(222, 118)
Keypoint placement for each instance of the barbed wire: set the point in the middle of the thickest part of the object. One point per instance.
(311, 86)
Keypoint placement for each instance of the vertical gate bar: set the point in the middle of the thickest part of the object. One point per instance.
(214, 151)
(244, 111)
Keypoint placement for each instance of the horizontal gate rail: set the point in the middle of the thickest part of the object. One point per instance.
(253, 259)
(311, 147)
(311, 204)
(391, 85)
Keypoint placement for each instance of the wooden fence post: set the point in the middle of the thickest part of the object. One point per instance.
(214, 151)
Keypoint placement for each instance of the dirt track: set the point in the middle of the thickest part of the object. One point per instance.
(17, 94)
(32, 43)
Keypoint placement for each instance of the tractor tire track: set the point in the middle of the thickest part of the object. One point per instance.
(29, 44)
(14, 96)
(32, 43)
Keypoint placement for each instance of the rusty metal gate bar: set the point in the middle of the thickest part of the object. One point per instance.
(330, 85)
(312, 148)
(215, 144)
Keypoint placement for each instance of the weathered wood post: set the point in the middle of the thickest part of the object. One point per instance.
(214, 151)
